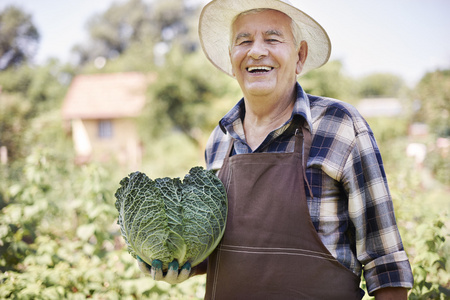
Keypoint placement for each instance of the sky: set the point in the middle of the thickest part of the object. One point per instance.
(404, 37)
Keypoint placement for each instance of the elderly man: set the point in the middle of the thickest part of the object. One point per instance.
(309, 205)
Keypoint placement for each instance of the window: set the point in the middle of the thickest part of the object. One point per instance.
(105, 129)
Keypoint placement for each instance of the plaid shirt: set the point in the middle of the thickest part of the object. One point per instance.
(352, 208)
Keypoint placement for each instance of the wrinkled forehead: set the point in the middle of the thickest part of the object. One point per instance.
(280, 16)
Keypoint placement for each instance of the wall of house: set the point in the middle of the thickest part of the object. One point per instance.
(122, 146)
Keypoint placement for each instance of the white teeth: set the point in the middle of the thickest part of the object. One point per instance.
(259, 68)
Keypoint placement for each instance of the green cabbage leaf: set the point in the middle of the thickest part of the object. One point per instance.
(169, 219)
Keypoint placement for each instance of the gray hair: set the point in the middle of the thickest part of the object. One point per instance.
(296, 31)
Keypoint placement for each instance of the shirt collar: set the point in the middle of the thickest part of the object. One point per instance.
(229, 123)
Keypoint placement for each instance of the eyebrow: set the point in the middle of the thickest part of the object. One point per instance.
(242, 35)
(267, 33)
(274, 32)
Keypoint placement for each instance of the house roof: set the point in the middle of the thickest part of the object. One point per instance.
(106, 96)
(380, 107)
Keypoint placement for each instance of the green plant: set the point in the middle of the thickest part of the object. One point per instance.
(439, 164)
(168, 219)
(431, 262)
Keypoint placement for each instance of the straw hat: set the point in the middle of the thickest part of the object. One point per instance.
(215, 25)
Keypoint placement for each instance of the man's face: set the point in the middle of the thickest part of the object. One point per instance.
(264, 59)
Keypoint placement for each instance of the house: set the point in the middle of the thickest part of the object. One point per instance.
(101, 111)
(380, 107)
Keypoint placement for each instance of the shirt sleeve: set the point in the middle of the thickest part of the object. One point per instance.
(216, 149)
(378, 243)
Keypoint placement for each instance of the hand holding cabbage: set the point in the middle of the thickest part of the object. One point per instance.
(173, 274)
(171, 220)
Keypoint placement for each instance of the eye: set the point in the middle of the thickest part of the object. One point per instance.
(273, 41)
(244, 42)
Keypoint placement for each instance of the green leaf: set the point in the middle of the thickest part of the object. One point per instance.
(169, 219)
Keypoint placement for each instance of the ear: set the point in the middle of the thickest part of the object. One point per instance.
(302, 55)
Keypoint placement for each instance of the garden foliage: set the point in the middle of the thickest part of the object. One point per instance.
(59, 237)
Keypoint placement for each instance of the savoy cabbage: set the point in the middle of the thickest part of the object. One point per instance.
(169, 219)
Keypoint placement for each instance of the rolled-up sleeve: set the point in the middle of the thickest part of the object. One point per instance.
(391, 270)
(379, 246)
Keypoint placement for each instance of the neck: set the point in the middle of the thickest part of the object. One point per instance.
(265, 114)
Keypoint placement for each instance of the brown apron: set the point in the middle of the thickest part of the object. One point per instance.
(271, 249)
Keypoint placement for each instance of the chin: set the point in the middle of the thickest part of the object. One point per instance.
(260, 88)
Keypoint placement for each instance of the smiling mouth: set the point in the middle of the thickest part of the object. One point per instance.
(259, 69)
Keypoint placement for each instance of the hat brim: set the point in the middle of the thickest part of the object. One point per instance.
(215, 25)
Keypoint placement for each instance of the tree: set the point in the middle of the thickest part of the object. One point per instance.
(14, 120)
(433, 92)
(19, 37)
(329, 81)
(25, 93)
(380, 85)
(190, 95)
(124, 24)
(113, 31)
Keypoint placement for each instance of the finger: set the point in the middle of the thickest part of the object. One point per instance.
(143, 266)
(172, 273)
(156, 270)
(184, 272)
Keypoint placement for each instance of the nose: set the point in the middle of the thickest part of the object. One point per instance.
(258, 50)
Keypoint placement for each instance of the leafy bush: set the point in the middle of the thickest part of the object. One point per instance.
(431, 264)
(439, 164)
(60, 240)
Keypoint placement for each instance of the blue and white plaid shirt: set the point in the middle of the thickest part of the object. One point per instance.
(352, 208)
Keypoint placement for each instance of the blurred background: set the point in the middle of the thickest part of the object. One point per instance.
(93, 90)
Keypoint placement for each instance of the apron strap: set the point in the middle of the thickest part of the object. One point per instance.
(304, 147)
(307, 141)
